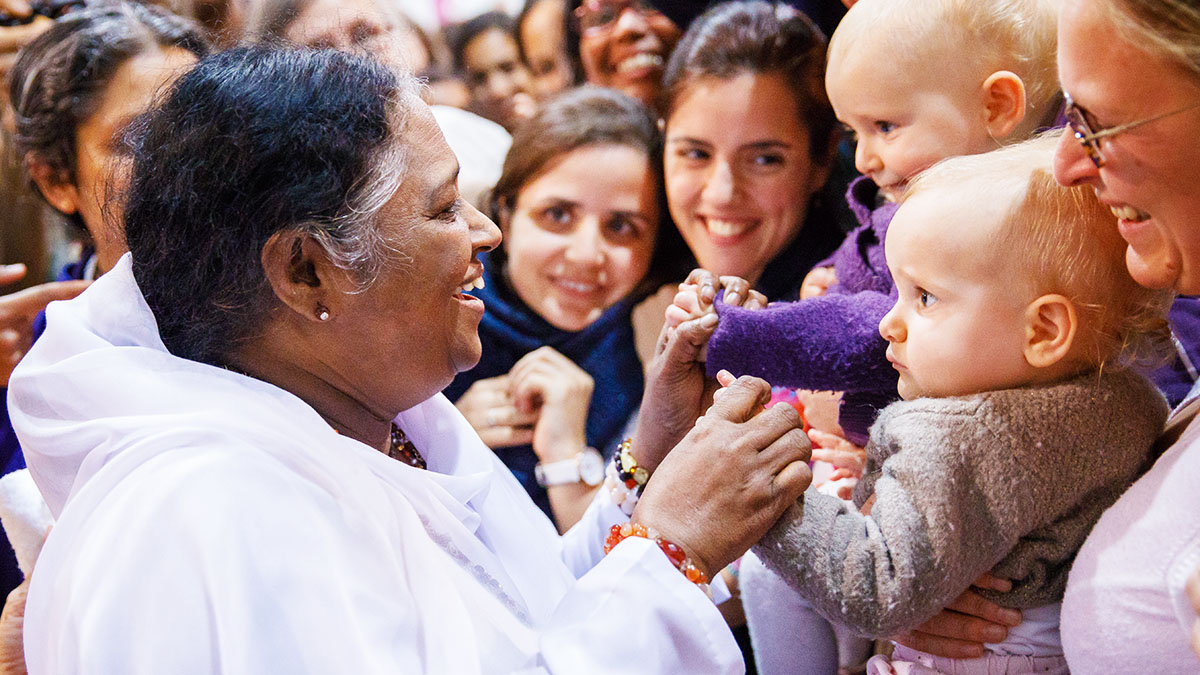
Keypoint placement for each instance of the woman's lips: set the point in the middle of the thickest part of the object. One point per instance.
(725, 232)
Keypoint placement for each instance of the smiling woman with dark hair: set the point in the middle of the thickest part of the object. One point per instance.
(255, 447)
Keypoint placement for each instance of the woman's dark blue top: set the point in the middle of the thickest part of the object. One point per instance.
(604, 349)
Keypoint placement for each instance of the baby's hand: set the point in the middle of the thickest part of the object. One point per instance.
(689, 303)
(817, 282)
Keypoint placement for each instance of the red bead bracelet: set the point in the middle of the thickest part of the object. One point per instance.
(677, 556)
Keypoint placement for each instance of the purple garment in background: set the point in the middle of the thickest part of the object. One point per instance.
(831, 342)
(1176, 378)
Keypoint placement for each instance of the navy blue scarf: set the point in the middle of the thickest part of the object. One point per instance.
(605, 350)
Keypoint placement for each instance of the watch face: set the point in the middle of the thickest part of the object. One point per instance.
(591, 467)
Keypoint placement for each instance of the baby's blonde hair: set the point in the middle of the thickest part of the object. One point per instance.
(1068, 242)
(988, 35)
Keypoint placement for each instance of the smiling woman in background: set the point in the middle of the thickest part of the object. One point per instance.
(622, 44)
(579, 203)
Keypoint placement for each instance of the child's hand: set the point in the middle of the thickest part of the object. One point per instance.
(698, 292)
(841, 453)
(817, 282)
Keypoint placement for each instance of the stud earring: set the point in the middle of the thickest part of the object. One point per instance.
(322, 312)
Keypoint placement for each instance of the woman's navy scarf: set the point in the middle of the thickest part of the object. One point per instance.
(605, 350)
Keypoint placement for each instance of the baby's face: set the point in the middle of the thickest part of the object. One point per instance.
(904, 122)
(958, 326)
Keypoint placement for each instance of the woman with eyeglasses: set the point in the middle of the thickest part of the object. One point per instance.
(1130, 70)
(622, 44)
(1131, 73)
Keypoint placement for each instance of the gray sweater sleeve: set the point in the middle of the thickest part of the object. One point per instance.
(961, 482)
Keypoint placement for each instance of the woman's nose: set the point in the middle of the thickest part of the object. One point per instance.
(585, 245)
(1072, 166)
(891, 328)
(631, 22)
(721, 184)
(485, 236)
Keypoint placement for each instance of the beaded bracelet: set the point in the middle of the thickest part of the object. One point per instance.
(619, 533)
(624, 479)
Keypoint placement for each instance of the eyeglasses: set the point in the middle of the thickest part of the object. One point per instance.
(1089, 135)
(598, 16)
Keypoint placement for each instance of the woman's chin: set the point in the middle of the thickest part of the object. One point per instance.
(1158, 271)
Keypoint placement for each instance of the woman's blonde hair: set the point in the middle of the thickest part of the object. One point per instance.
(992, 35)
(1067, 242)
(1169, 28)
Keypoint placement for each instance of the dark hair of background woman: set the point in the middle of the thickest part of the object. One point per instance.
(60, 77)
(253, 141)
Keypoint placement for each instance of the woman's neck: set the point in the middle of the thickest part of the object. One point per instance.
(280, 363)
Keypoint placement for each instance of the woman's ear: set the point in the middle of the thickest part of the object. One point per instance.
(1050, 327)
(54, 186)
(302, 276)
(1004, 100)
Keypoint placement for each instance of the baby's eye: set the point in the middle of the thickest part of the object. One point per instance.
(926, 298)
(850, 133)
(885, 127)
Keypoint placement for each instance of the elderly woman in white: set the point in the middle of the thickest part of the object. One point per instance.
(240, 433)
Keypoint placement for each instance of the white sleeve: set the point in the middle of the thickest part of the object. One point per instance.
(635, 613)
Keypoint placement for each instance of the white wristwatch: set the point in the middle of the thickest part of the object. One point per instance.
(587, 467)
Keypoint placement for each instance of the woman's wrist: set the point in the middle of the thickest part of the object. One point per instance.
(692, 568)
(625, 479)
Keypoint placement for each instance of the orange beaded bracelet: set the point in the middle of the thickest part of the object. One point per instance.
(677, 556)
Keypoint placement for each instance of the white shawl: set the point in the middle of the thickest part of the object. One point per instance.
(210, 522)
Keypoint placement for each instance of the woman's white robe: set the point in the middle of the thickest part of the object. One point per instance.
(210, 522)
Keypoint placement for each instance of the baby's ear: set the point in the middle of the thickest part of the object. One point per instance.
(1004, 99)
(1050, 327)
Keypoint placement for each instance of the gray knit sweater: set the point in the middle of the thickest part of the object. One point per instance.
(1007, 481)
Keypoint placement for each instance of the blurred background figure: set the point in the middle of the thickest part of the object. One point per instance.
(623, 44)
(542, 40)
(377, 28)
(487, 57)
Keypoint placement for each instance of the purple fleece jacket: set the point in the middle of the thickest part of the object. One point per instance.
(831, 342)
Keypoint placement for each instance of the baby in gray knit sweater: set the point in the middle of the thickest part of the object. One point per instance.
(1021, 422)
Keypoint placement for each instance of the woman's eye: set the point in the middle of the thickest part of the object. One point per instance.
(693, 154)
(769, 159)
(557, 215)
(621, 227)
(450, 213)
(885, 127)
(926, 298)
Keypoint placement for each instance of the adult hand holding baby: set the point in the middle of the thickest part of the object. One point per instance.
(730, 478)
(677, 388)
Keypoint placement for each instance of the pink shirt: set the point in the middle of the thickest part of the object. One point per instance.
(1126, 610)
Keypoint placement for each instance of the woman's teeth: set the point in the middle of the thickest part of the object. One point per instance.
(576, 286)
(725, 228)
(1129, 213)
(474, 285)
(638, 61)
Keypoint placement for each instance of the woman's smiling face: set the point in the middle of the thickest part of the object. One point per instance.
(629, 53)
(582, 232)
(739, 171)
